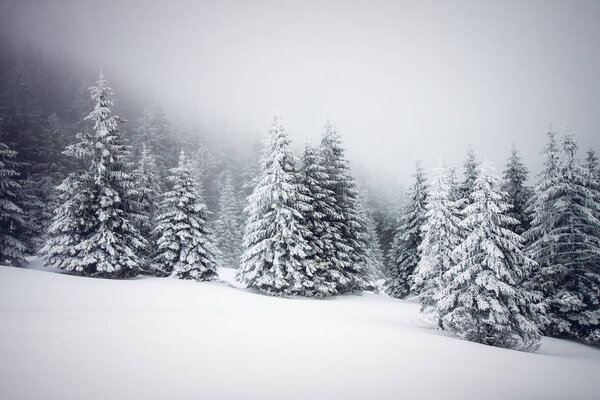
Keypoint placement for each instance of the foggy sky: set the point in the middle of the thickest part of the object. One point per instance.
(403, 80)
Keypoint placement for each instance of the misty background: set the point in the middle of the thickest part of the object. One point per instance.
(403, 80)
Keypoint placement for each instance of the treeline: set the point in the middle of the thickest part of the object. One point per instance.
(488, 258)
(44, 103)
(493, 261)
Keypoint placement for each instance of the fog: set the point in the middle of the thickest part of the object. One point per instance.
(403, 80)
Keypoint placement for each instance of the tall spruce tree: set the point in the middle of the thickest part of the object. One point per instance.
(153, 131)
(441, 234)
(470, 173)
(275, 260)
(318, 216)
(91, 232)
(591, 166)
(564, 239)
(404, 253)
(514, 178)
(14, 227)
(149, 191)
(482, 300)
(184, 241)
(374, 252)
(350, 254)
(228, 226)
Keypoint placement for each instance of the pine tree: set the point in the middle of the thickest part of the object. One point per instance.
(275, 246)
(441, 234)
(91, 232)
(482, 300)
(349, 256)
(404, 254)
(14, 228)
(149, 191)
(565, 241)
(183, 238)
(228, 236)
(515, 176)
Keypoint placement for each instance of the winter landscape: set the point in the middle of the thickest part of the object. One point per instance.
(244, 200)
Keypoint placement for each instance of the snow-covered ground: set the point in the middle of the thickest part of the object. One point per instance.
(66, 337)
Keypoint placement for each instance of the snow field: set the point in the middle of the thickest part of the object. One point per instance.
(67, 337)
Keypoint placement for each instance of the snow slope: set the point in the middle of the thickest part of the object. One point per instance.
(67, 337)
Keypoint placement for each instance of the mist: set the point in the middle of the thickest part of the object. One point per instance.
(403, 80)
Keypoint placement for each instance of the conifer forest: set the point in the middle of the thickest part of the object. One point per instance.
(248, 200)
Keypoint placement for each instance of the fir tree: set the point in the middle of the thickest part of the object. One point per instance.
(153, 131)
(591, 166)
(275, 246)
(149, 191)
(515, 176)
(482, 300)
(183, 238)
(404, 254)
(14, 228)
(471, 170)
(441, 234)
(228, 236)
(373, 251)
(565, 241)
(349, 256)
(91, 232)
(323, 236)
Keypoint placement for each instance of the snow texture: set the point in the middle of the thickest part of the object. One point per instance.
(158, 338)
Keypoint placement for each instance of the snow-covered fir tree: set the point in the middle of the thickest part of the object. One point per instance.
(441, 234)
(374, 252)
(322, 235)
(228, 226)
(153, 131)
(14, 227)
(349, 256)
(471, 170)
(183, 239)
(92, 231)
(564, 239)
(514, 178)
(591, 166)
(404, 253)
(275, 260)
(482, 300)
(149, 191)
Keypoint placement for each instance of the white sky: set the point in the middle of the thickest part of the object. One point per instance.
(403, 80)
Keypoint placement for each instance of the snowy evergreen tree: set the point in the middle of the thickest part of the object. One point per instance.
(275, 246)
(228, 227)
(149, 191)
(14, 227)
(515, 176)
(481, 300)
(538, 208)
(591, 167)
(184, 241)
(441, 234)
(349, 256)
(91, 232)
(565, 241)
(471, 170)
(374, 253)
(404, 254)
(153, 131)
(322, 235)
